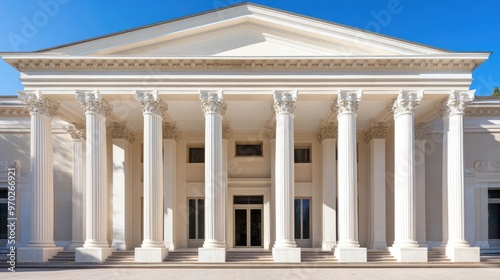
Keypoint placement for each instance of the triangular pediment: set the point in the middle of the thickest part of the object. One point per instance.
(244, 30)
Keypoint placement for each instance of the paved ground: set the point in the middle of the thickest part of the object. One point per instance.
(247, 274)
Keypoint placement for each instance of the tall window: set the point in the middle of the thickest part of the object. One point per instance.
(196, 218)
(494, 214)
(302, 218)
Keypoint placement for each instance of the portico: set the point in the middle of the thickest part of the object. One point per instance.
(289, 139)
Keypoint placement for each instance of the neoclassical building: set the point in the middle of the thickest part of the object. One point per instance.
(250, 128)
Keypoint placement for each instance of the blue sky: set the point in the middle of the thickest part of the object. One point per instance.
(459, 25)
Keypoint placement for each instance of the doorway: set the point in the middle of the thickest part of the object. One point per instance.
(248, 221)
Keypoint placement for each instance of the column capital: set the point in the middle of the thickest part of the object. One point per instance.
(347, 102)
(37, 104)
(150, 102)
(119, 130)
(458, 100)
(77, 131)
(227, 132)
(212, 102)
(170, 131)
(93, 102)
(376, 130)
(327, 131)
(407, 102)
(421, 130)
(284, 101)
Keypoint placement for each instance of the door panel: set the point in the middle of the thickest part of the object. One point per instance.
(240, 227)
(255, 227)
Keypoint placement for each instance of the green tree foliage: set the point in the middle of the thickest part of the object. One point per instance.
(496, 92)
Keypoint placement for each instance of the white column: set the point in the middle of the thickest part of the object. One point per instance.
(122, 185)
(153, 247)
(375, 138)
(420, 138)
(457, 249)
(170, 138)
(214, 247)
(271, 134)
(41, 246)
(96, 247)
(348, 249)
(405, 247)
(78, 191)
(285, 249)
(328, 138)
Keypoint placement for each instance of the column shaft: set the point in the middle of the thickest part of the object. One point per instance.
(420, 192)
(169, 202)
(78, 196)
(122, 194)
(328, 147)
(377, 194)
(347, 181)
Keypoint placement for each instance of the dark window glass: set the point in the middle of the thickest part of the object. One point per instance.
(196, 155)
(305, 218)
(249, 150)
(255, 227)
(3, 220)
(240, 226)
(201, 219)
(248, 199)
(494, 194)
(302, 155)
(494, 221)
(297, 221)
(3, 193)
(192, 219)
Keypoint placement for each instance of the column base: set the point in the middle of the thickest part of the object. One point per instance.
(350, 255)
(328, 246)
(463, 254)
(411, 254)
(74, 245)
(170, 246)
(37, 254)
(120, 245)
(286, 255)
(93, 255)
(212, 255)
(150, 255)
(382, 245)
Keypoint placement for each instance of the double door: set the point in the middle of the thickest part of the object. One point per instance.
(248, 226)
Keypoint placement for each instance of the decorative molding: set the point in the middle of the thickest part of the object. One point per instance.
(327, 131)
(170, 131)
(227, 132)
(348, 102)
(458, 100)
(284, 101)
(487, 166)
(377, 130)
(212, 102)
(421, 130)
(37, 104)
(437, 111)
(14, 112)
(93, 102)
(77, 131)
(478, 111)
(407, 102)
(150, 102)
(119, 130)
(270, 129)
(339, 63)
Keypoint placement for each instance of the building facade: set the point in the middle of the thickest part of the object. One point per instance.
(249, 127)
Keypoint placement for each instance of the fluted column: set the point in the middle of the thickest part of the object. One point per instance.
(170, 137)
(153, 247)
(41, 245)
(96, 246)
(458, 248)
(405, 247)
(214, 247)
(77, 133)
(328, 138)
(284, 106)
(348, 245)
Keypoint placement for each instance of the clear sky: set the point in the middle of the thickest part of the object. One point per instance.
(458, 25)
